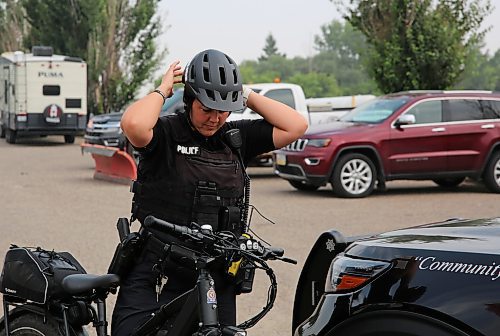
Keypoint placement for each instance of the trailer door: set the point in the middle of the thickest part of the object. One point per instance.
(6, 101)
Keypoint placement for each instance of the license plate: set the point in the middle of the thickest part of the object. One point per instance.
(280, 159)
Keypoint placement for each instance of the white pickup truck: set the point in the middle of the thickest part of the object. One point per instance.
(315, 110)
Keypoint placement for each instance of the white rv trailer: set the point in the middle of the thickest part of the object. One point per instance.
(42, 94)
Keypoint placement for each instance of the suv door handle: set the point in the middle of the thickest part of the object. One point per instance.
(439, 129)
(487, 126)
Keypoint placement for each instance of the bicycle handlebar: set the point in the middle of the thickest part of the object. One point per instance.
(224, 242)
(152, 222)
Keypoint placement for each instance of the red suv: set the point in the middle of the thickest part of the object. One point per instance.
(443, 136)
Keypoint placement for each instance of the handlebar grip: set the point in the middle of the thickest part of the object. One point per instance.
(289, 260)
(277, 251)
(151, 222)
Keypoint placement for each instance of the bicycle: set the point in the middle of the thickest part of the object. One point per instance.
(192, 313)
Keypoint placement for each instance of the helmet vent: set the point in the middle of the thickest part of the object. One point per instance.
(206, 75)
(205, 57)
(222, 75)
(192, 72)
(235, 76)
(210, 94)
(235, 96)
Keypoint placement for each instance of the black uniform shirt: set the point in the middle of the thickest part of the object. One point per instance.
(257, 138)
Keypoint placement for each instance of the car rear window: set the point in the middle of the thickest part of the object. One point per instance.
(375, 111)
(491, 109)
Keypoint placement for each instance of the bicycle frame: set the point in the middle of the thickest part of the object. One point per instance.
(197, 304)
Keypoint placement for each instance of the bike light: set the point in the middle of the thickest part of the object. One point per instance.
(318, 142)
(347, 273)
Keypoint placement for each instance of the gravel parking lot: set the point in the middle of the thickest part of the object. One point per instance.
(49, 198)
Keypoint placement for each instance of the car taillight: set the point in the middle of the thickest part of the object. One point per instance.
(348, 274)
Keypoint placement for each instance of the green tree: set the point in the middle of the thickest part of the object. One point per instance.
(63, 25)
(418, 44)
(481, 73)
(343, 53)
(270, 49)
(11, 25)
(115, 37)
(317, 84)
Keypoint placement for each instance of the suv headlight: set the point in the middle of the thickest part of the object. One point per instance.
(347, 273)
(318, 142)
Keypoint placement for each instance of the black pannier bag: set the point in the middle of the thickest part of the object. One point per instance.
(36, 274)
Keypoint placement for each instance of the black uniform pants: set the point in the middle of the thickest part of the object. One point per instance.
(137, 298)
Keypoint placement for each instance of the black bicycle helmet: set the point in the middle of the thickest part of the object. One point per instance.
(214, 79)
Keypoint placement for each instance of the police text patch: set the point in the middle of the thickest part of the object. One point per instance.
(191, 150)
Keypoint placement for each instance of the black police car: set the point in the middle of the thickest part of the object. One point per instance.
(104, 129)
(440, 279)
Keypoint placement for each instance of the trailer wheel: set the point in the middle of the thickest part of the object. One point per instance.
(69, 139)
(10, 136)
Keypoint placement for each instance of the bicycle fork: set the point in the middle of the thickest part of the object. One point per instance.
(209, 320)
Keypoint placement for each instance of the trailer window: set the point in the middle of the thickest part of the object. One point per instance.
(51, 90)
(73, 103)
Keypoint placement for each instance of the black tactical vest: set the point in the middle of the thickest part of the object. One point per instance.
(201, 185)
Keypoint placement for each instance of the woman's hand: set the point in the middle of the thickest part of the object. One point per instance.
(171, 77)
(139, 119)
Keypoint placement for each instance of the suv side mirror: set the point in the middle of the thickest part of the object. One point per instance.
(406, 119)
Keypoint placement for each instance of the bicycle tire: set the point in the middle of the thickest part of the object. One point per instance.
(32, 325)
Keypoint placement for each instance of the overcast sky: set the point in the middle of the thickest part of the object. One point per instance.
(239, 28)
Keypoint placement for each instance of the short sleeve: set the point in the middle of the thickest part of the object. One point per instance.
(156, 141)
(257, 136)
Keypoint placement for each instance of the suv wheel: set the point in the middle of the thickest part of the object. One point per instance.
(300, 185)
(492, 173)
(354, 176)
(449, 182)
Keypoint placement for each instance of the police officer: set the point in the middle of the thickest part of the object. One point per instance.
(190, 171)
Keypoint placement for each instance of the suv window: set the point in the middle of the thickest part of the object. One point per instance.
(464, 109)
(375, 111)
(491, 109)
(427, 112)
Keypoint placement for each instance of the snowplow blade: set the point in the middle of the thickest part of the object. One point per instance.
(111, 163)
